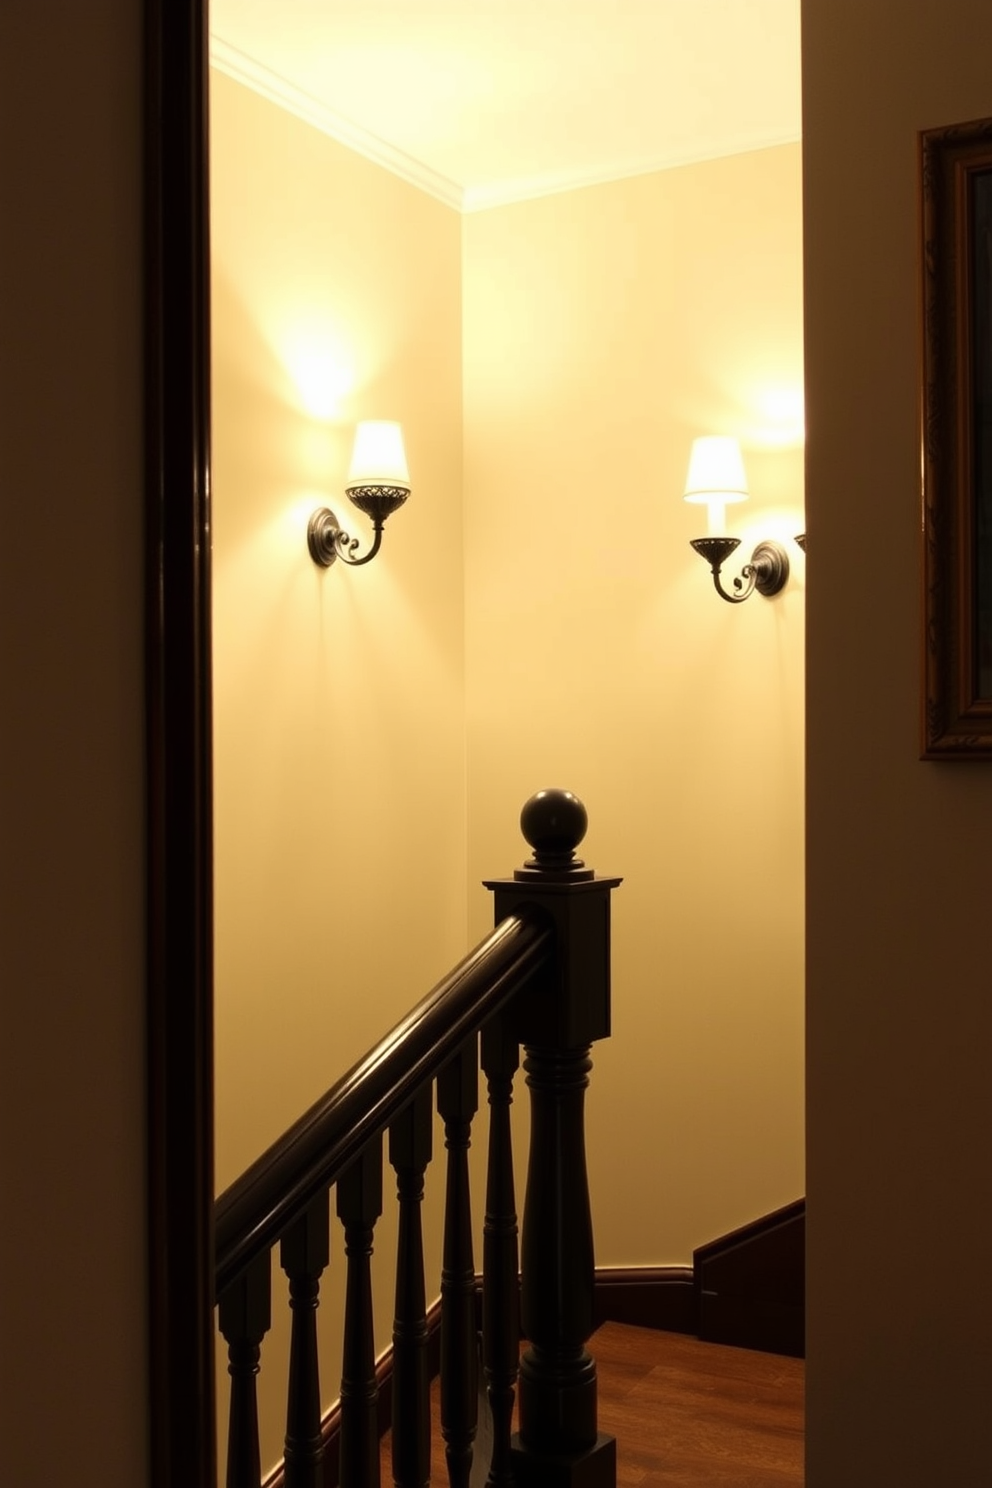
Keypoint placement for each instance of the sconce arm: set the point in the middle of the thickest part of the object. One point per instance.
(327, 540)
(767, 571)
(743, 587)
(346, 547)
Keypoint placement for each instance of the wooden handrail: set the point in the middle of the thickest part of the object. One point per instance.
(256, 1209)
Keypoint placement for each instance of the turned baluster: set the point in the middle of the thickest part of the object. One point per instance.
(244, 1314)
(557, 1018)
(500, 1297)
(457, 1102)
(410, 1140)
(304, 1253)
(557, 1374)
(359, 1204)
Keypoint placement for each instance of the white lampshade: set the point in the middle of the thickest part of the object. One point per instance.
(716, 470)
(715, 477)
(378, 457)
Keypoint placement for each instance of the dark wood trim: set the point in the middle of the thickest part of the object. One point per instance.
(178, 746)
(647, 1297)
(750, 1284)
(957, 710)
(745, 1288)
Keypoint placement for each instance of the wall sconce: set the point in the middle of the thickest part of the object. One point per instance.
(715, 479)
(378, 483)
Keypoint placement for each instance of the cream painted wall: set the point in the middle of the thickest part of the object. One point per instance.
(604, 328)
(73, 1329)
(338, 694)
(899, 1289)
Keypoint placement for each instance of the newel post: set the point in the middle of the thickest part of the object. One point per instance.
(558, 1020)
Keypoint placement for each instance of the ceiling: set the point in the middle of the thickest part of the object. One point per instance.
(487, 101)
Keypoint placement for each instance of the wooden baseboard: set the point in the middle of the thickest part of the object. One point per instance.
(647, 1297)
(745, 1288)
(750, 1285)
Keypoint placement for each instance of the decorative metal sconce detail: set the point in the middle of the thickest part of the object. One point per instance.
(767, 571)
(715, 479)
(378, 484)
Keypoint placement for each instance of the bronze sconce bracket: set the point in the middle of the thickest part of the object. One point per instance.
(326, 538)
(767, 571)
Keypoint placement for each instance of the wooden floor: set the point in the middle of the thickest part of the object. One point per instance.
(688, 1414)
(698, 1415)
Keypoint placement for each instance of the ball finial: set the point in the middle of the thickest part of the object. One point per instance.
(554, 823)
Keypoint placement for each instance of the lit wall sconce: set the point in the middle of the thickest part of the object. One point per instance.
(715, 479)
(378, 483)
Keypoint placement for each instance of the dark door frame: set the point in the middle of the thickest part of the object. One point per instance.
(178, 745)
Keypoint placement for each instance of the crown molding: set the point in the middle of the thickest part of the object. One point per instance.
(478, 198)
(244, 69)
(527, 188)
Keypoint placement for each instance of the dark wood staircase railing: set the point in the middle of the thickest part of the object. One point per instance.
(541, 979)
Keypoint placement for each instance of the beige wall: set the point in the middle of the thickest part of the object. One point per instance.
(900, 1022)
(73, 1374)
(338, 694)
(604, 328)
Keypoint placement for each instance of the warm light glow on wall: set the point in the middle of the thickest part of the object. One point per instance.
(778, 416)
(322, 368)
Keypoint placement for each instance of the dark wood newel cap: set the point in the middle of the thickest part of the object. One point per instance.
(569, 1004)
(554, 822)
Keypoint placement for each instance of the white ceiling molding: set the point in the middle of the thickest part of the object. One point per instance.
(509, 100)
(505, 193)
(268, 84)
(243, 69)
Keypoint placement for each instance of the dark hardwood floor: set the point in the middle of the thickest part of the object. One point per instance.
(698, 1415)
(688, 1414)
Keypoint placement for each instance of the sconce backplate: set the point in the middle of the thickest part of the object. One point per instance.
(322, 530)
(770, 562)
